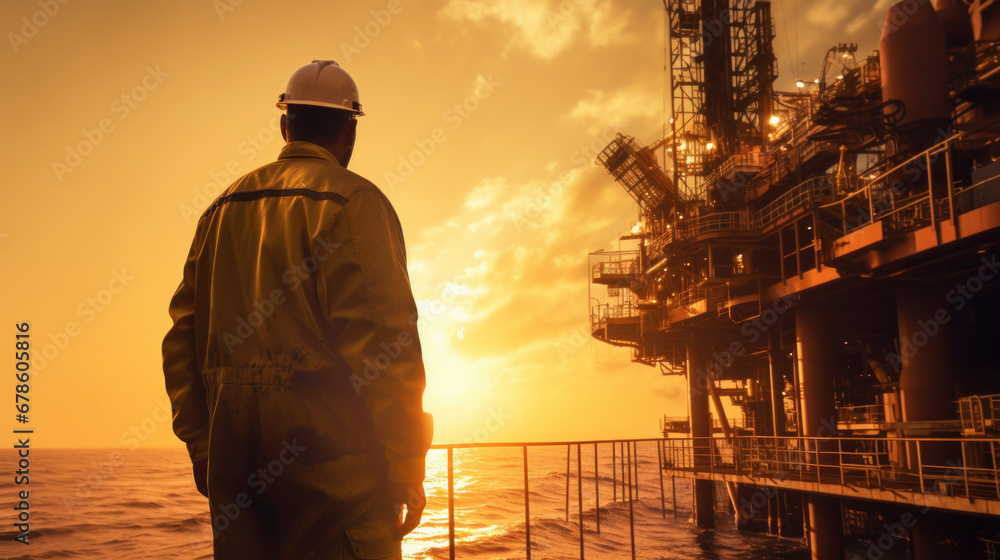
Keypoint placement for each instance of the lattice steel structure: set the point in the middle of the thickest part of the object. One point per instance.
(722, 71)
(635, 168)
(688, 133)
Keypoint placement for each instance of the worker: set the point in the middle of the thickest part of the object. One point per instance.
(293, 364)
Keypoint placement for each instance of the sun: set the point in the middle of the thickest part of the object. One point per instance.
(458, 393)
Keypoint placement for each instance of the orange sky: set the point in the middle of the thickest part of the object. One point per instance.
(124, 119)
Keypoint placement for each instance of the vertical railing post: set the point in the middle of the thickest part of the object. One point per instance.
(965, 471)
(621, 457)
(579, 494)
(614, 476)
(840, 458)
(673, 491)
(527, 505)
(930, 196)
(951, 187)
(451, 505)
(597, 490)
(993, 456)
(631, 513)
(659, 468)
(871, 204)
(567, 483)
(920, 469)
(635, 466)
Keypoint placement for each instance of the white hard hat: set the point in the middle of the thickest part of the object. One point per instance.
(322, 83)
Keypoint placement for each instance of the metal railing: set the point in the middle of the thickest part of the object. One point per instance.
(616, 268)
(626, 310)
(979, 413)
(794, 199)
(750, 163)
(992, 549)
(885, 199)
(963, 467)
(687, 297)
(864, 414)
(712, 223)
(625, 469)
(678, 424)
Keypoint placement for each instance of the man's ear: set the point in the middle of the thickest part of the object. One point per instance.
(284, 127)
(351, 132)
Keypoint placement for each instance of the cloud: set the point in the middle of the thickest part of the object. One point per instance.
(873, 17)
(827, 13)
(626, 104)
(486, 193)
(545, 29)
(534, 286)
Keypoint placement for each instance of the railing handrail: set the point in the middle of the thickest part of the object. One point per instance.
(854, 438)
(881, 182)
(844, 460)
(793, 197)
(629, 461)
(485, 444)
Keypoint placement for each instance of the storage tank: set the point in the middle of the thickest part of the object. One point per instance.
(957, 23)
(914, 60)
(990, 30)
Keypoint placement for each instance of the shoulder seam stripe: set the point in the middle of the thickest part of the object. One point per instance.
(276, 193)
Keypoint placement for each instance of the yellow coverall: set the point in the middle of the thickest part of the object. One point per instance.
(293, 364)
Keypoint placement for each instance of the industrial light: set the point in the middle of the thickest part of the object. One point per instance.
(840, 77)
(637, 228)
(800, 84)
(710, 146)
(775, 120)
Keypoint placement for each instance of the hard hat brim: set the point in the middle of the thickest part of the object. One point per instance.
(283, 105)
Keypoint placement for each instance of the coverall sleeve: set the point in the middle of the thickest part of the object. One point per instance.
(370, 302)
(185, 385)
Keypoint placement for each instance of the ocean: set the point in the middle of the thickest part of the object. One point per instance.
(142, 504)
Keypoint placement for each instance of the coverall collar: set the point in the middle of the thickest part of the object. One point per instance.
(301, 149)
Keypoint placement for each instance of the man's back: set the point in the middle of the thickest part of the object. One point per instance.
(277, 367)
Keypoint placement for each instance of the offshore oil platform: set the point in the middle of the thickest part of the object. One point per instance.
(823, 265)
